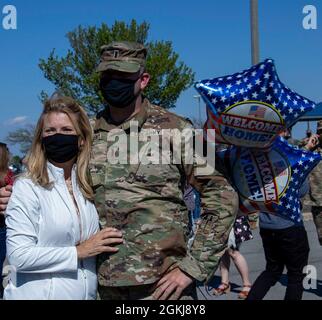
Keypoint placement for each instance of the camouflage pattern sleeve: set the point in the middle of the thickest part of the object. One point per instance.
(315, 194)
(314, 197)
(219, 208)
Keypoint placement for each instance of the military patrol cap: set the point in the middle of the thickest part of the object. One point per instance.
(319, 125)
(122, 56)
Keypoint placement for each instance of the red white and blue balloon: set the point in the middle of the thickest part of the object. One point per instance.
(251, 107)
(269, 181)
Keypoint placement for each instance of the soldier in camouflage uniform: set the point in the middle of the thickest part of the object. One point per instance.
(145, 201)
(314, 197)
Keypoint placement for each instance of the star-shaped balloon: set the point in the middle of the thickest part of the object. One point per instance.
(270, 181)
(251, 107)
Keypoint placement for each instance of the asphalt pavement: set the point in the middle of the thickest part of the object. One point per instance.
(253, 252)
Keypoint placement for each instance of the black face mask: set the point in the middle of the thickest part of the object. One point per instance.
(118, 93)
(61, 148)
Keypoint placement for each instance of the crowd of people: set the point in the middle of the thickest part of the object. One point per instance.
(74, 225)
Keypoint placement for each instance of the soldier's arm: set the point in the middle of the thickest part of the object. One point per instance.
(219, 207)
(219, 204)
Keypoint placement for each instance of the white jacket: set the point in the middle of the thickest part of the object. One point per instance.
(42, 234)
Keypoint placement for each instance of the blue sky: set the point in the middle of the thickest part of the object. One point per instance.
(211, 36)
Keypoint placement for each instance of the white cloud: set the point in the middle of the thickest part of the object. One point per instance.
(17, 120)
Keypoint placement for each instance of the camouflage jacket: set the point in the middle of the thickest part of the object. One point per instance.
(145, 201)
(314, 197)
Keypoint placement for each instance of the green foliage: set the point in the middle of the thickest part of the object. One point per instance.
(75, 73)
(15, 160)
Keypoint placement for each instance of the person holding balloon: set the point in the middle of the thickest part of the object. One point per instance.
(285, 244)
(249, 110)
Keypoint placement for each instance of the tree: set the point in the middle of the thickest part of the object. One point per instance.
(15, 161)
(22, 137)
(75, 73)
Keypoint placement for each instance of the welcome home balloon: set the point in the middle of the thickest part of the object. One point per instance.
(251, 107)
(270, 181)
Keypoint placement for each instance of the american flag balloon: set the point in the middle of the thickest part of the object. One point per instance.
(270, 181)
(251, 107)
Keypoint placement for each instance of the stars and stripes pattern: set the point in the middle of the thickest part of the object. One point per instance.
(257, 111)
(300, 163)
(259, 83)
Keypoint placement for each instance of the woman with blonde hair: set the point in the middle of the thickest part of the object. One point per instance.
(6, 179)
(53, 234)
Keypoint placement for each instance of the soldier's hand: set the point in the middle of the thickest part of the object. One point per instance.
(5, 194)
(172, 285)
(101, 242)
(312, 142)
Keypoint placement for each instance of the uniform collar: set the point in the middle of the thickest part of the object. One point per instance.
(104, 123)
(57, 174)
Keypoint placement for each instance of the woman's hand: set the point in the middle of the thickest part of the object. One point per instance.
(102, 241)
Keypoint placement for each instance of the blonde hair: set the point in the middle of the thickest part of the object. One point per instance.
(4, 160)
(36, 161)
